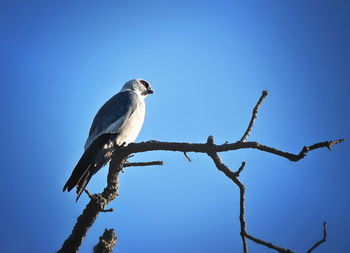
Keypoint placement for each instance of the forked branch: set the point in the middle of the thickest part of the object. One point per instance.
(244, 233)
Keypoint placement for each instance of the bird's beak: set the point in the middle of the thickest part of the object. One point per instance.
(150, 91)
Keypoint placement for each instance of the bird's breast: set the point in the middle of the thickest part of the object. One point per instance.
(132, 126)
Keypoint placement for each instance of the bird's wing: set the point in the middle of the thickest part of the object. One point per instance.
(86, 162)
(108, 120)
(112, 115)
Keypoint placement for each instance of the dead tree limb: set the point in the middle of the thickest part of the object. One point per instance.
(98, 202)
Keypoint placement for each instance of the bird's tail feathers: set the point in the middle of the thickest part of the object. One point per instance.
(86, 167)
(84, 180)
(78, 172)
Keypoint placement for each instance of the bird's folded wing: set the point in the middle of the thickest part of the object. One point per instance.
(112, 115)
(87, 160)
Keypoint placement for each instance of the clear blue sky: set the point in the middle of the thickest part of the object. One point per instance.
(208, 62)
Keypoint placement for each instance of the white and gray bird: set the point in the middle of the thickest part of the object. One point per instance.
(117, 123)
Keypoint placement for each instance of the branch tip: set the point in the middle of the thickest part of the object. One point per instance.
(331, 143)
(188, 158)
(254, 115)
(306, 149)
(324, 238)
(239, 170)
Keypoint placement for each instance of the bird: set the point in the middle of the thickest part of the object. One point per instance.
(117, 123)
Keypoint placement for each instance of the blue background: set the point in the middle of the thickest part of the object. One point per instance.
(208, 62)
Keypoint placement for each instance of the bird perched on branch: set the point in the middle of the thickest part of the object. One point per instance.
(117, 123)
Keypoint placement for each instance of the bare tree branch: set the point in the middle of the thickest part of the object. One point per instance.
(138, 164)
(254, 115)
(98, 202)
(107, 242)
(203, 148)
(321, 241)
(268, 244)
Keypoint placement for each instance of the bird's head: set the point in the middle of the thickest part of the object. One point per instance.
(138, 85)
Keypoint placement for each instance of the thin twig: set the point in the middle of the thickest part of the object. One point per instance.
(321, 241)
(188, 158)
(240, 169)
(254, 115)
(268, 244)
(107, 210)
(327, 144)
(138, 164)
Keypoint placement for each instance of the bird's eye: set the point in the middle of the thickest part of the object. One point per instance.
(145, 83)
